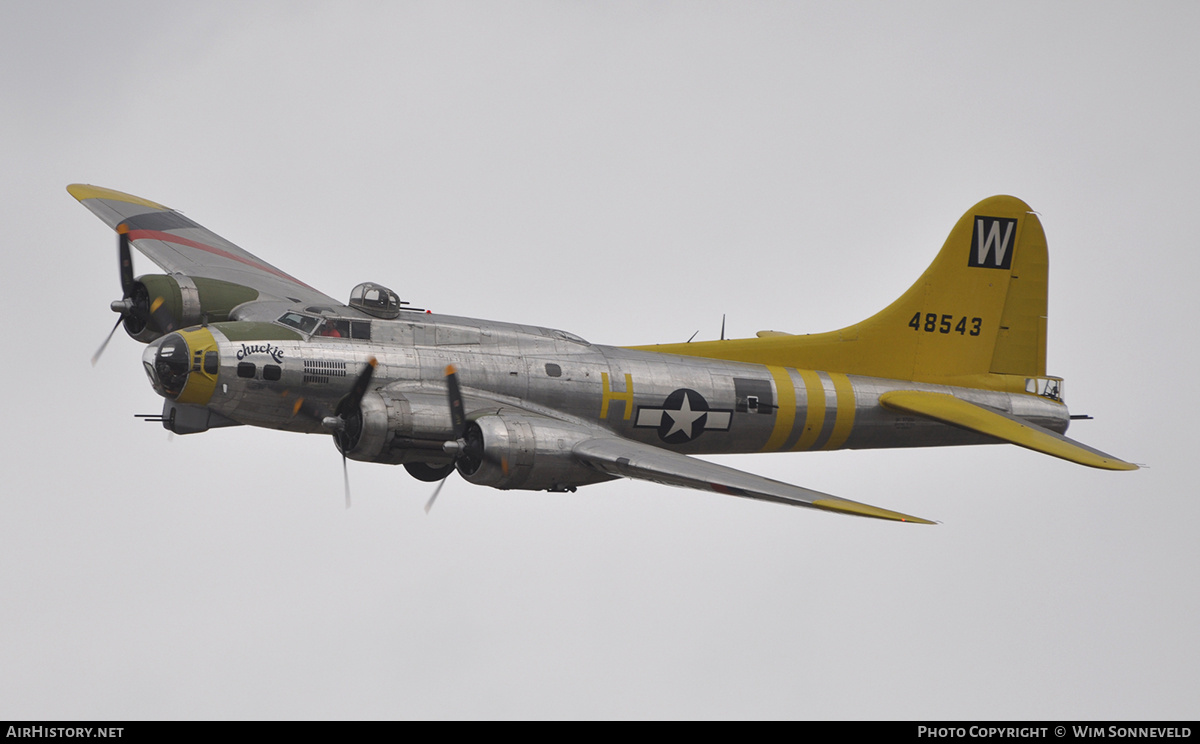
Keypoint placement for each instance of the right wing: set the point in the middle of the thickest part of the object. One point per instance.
(179, 245)
(624, 457)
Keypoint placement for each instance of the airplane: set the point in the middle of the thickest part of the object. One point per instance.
(958, 359)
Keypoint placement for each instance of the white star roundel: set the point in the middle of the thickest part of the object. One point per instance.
(684, 415)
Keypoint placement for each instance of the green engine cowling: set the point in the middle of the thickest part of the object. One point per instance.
(168, 302)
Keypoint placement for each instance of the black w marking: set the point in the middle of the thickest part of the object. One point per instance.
(992, 243)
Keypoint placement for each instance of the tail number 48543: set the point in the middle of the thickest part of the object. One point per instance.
(934, 323)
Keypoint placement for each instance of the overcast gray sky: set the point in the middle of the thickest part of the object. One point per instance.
(629, 172)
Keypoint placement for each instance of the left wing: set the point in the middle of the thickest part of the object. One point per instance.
(598, 449)
(623, 457)
(179, 245)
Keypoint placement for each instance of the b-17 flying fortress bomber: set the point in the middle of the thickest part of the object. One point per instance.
(960, 358)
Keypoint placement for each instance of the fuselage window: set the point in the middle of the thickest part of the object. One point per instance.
(272, 371)
(245, 369)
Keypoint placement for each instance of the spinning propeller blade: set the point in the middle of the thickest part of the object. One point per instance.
(346, 421)
(436, 491)
(135, 306)
(125, 260)
(96, 356)
(458, 419)
(461, 446)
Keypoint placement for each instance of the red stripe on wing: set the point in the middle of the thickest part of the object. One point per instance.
(169, 238)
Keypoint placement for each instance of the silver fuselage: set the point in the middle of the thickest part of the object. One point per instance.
(690, 405)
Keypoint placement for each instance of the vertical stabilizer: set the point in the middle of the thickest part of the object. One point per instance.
(979, 310)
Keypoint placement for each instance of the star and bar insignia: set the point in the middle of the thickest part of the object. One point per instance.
(683, 416)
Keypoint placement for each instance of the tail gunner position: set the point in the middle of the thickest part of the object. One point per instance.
(960, 358)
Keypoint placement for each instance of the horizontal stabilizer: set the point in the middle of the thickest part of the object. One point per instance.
(623, 457)
(993, 423)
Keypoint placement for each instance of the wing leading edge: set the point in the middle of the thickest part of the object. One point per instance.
(629, 459)
(179, 245)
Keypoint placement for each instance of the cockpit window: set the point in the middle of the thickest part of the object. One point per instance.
(305, 323)
(343, 328)
(335, 328)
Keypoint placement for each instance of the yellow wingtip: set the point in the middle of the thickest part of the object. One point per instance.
(1119, 465)
(82, 191)
(865, 510)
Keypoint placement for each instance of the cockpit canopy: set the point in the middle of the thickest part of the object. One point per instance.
(375, 299)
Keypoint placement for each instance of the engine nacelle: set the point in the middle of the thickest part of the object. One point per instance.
(517, 451)
(506, 450)
(395, 429)
(167, 302)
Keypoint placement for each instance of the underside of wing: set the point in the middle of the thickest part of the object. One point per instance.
(507, 447)
(1002, 426)
(180, 246)
(624, 457)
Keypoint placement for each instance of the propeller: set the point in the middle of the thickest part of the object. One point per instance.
(103, 346)
(346, 421)
(125, 305)
(467, 444)
(346, 425)
(436, 491)
(135, 307)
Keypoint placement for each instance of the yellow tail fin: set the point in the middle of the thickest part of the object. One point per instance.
(976, 317)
